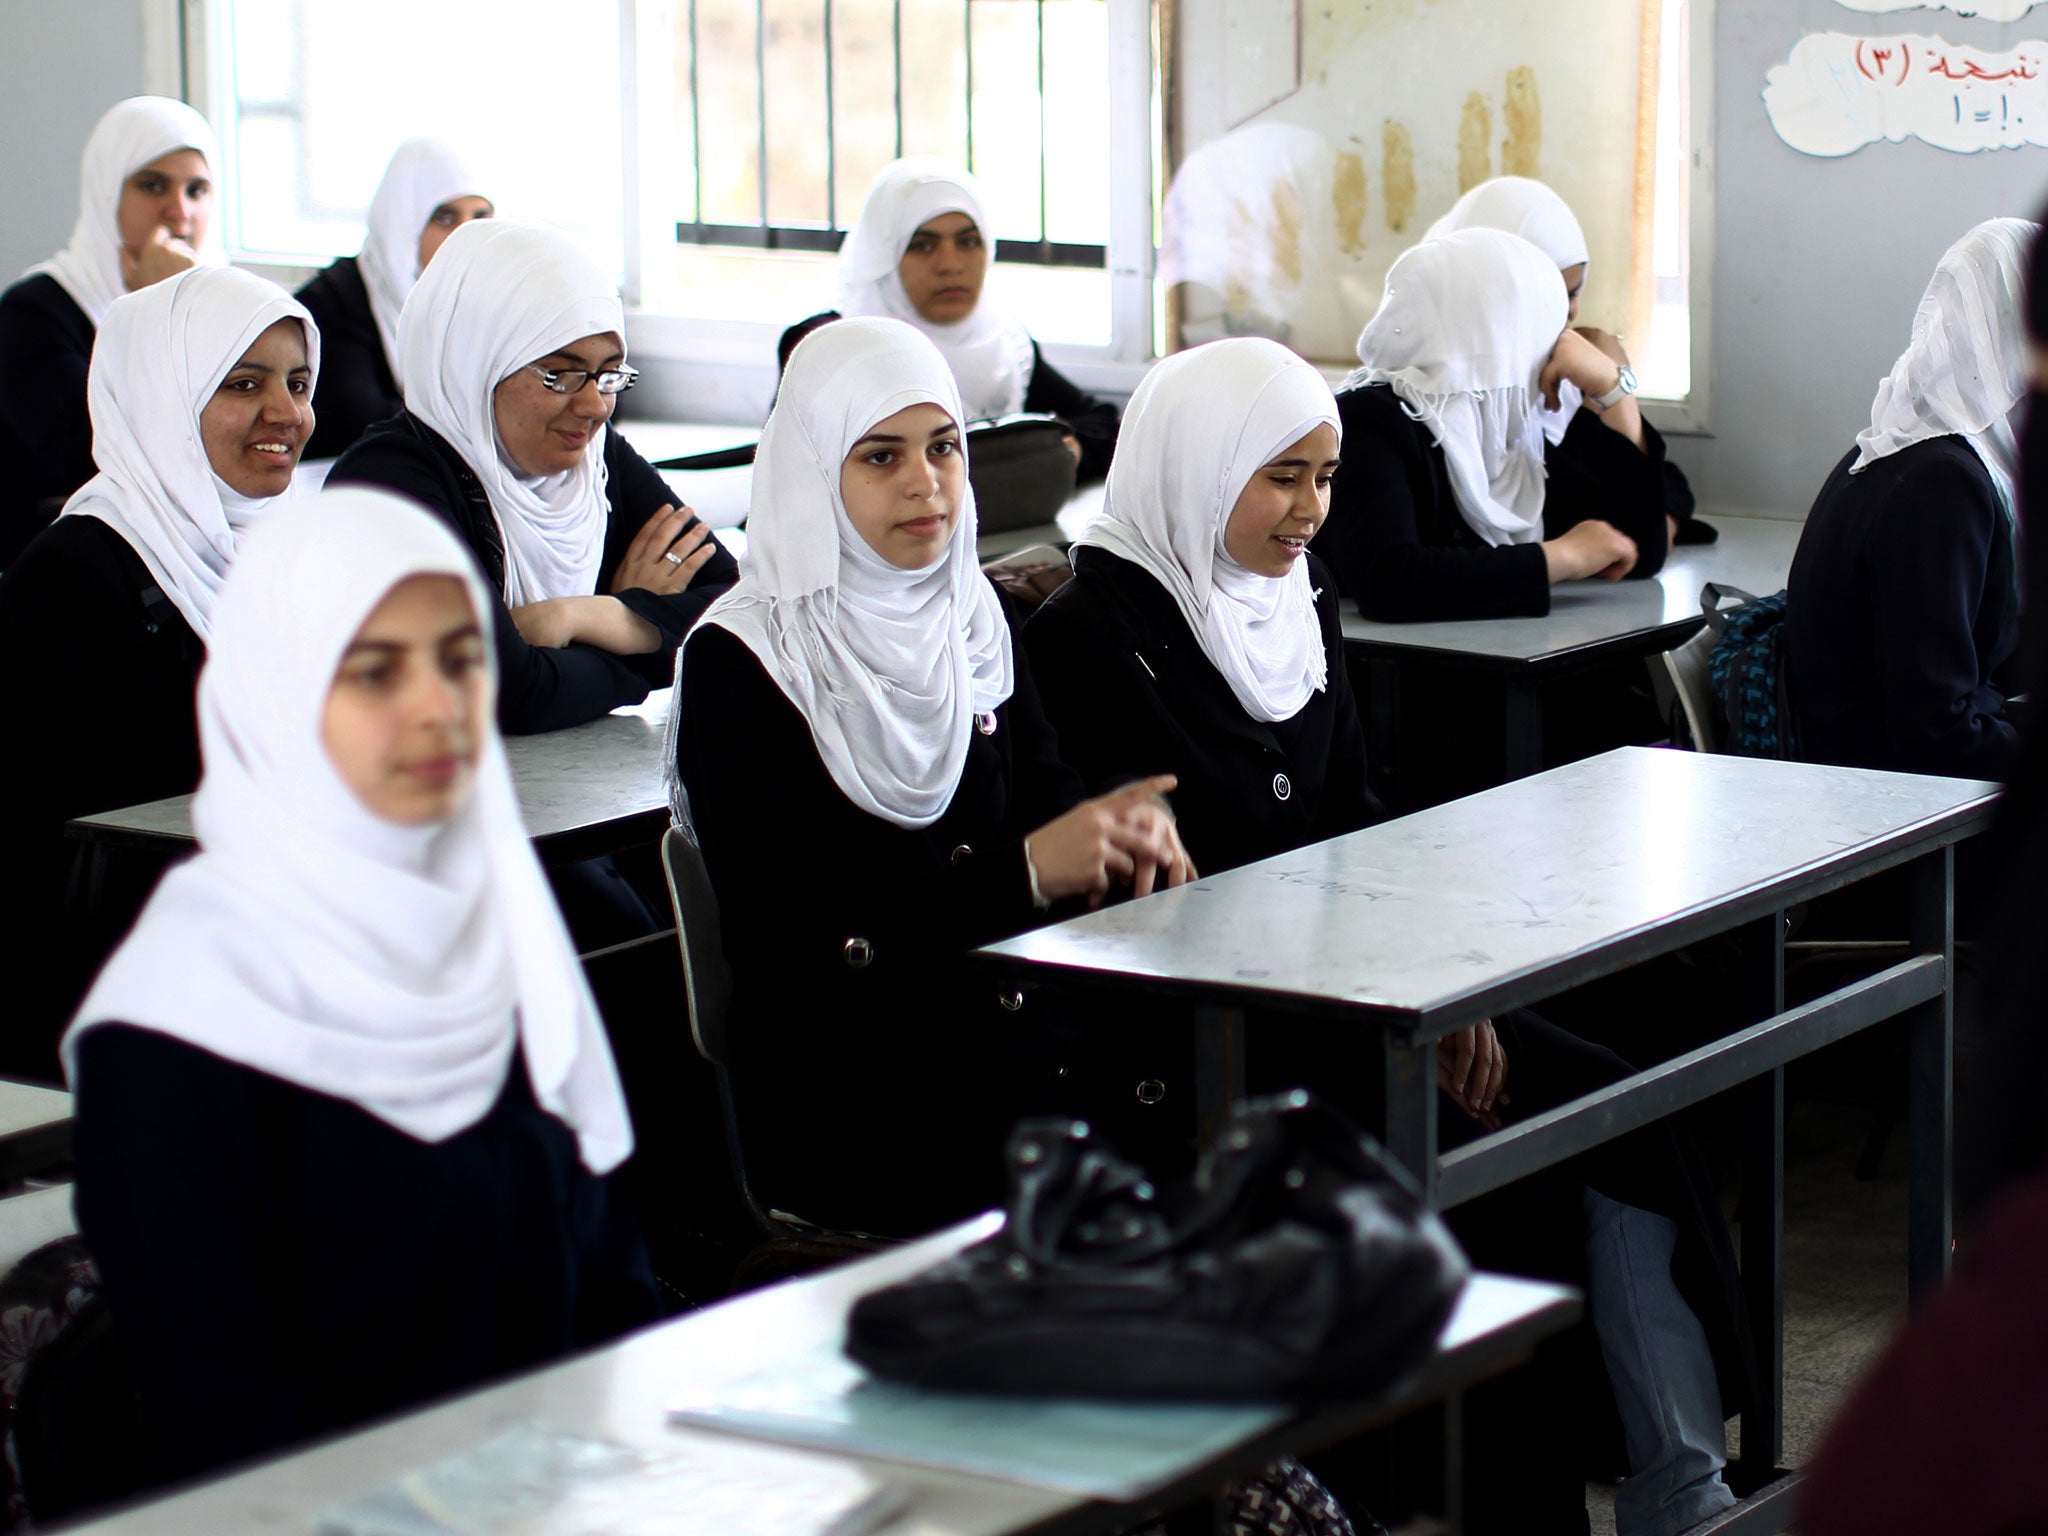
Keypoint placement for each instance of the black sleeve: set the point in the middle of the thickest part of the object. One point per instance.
(539, 689)
(1928, 553)
(1375, 543)
(42, 394)
(176, 1196)
(1052, 393)
(1596, 472)
(1112, 724)
(637, 491)
(792, 885)
(1678, 497)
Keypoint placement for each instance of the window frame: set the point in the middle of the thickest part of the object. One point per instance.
(185, 55)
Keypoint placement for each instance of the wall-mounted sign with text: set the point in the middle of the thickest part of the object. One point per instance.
(1837, 93)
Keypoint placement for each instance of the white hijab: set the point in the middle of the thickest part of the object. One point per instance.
(1462, 334)
(161, 353)
(1530, 209)
(423, 174)
(1966, 366)
(990, 355)
(888, 667)
(132, 134)
(1200, 425)
(312, 940)
(498, 295)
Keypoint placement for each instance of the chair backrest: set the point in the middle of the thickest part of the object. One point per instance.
(1685, 692)
(707, 980)
(1030, 575)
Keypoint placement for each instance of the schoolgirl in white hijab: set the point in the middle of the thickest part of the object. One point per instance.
(1966, 367)
(1201, 424)
(888, 667)
(158, 362)
(1462, 334)
(497, 295)
(1528, 208)
(991, 355)
(398, 967)
(134, 133)
(423, 175)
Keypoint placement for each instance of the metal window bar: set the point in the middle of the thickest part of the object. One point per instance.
(768, 236)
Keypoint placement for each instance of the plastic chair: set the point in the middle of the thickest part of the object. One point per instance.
(792, 1245)
(1680, 682)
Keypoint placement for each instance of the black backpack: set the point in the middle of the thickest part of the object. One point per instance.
(1747, 667)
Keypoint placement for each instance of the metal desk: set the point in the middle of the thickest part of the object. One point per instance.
(622, 1393)
(35, 1130)
(1422, 926)
(1590, 622)
(587, 791)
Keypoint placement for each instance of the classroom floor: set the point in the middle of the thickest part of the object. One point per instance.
(1845, 1270)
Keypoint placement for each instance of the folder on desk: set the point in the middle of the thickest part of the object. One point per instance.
(1103, 1450)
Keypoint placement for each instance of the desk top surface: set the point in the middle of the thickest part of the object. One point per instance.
(24, 1107)
(1505, 897)
(568, 781)
(1753, 553)
(622, 1394)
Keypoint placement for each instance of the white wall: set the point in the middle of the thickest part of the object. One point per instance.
(61, 66)
(1818, 263)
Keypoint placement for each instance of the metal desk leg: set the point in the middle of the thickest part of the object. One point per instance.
(1219, 1067)
(1383, 728)
(1929, 1080)
(1524, 752)
(1763, 1224)
(1409, 1109)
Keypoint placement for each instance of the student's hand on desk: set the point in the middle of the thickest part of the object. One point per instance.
(648, 566)
(1473, 1069)
(1127, 837)
(604, 622)
(1073, 446)
(1592, 548)
(165, 256)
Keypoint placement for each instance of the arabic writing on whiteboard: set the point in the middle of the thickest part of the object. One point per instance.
(1991, 10)
(1837, 93)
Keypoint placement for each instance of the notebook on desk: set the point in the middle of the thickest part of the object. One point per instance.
(1102, 1450)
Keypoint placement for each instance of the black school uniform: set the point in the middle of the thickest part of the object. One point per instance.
(356, 389)
(1903, 604)
(1400, 546)
(280, 1264)
(545, 689)
(45, 429)
(878, 1071)
(101, 705)
(1049, 393)
(1126, 685)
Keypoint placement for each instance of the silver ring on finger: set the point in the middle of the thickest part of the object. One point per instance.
(673, 558)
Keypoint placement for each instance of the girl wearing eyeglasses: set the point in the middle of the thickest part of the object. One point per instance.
(512, 354)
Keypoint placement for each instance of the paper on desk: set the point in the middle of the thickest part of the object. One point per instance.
(534, 1481)
(1102, 1450)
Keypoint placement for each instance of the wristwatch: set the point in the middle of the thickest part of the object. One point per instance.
(1625, 385)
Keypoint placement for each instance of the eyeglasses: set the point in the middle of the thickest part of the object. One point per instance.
(567, 381)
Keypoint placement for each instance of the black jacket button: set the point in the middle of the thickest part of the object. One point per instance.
(860, 954)
(1281, 788)
(960, 855)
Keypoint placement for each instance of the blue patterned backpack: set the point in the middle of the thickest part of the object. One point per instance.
(1746, 666)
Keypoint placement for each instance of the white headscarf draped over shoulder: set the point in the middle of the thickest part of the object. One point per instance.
(498, 295)
(132, 134)
(990, 355)
(1200, 425)
(423, 174)
(392, 966)
(887, 666)
(160, 355)
(1528, 208)
(1462, 334)
(1966, 366)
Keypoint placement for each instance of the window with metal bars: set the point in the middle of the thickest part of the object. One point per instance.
(786, 109)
